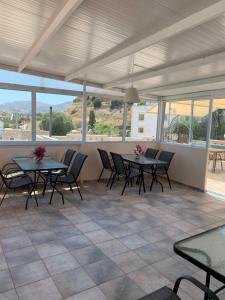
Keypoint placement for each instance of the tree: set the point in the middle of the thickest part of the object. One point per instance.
(116, 104)
(92, 120)
(61, 124)
(97, 103)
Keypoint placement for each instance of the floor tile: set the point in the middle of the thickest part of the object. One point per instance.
(91, 294)
(64, 232)
(5, 281)
(148, 279)
(50, 249)
(121, 288)
(88, 227)
(128, 261)
(76, 242)
(103, 270)
(151, 253)
(60, 263)
(88, 255)
(22, 256)
(112, 247)
(15, 243)
(99, 236)
(42, 289)
(133, 241)
(42, 237)
(10, 295)
(73, 281)
(24, 274)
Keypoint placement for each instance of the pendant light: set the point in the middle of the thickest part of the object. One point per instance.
(132, 93)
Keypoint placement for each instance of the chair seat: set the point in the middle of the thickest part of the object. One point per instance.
(162, 294)
(20, 182)
(14, 174)
(61, 178)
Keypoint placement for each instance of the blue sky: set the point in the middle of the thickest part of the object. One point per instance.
(18, 78)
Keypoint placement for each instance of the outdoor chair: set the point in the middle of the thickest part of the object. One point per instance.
(166, 293)
(10, 171)
(151, 153)
(70, 177)
(106, 164)
(23, 181)
(121, 170)
(69, 154)
(161, 169)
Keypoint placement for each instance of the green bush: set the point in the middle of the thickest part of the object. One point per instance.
(97, 103)
(92, 120)
(116, 104)
(61, 124)
(104, 129)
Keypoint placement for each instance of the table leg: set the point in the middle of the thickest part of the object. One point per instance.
(32, 190)
(141, 180)
(207, 283)
(54, 188)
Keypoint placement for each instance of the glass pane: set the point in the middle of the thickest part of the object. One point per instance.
(15, 115)
(58, 117)
(176, 125)
(142, 121)
(218, 122)
(104, 119)
(200, 121)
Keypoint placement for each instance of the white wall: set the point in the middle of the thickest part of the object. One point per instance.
(188, 165)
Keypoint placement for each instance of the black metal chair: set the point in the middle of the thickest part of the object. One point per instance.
(10, 171)
(71, 177)
(106, 164)
(151, 153)
(166, 293)
(18, 182)
(67, 159)
(161, 169)
(122, 171)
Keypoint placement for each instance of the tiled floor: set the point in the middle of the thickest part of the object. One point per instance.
(215, 180)
(105, 247)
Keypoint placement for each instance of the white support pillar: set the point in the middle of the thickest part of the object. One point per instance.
(84, 112)
(33, 115)
(209, 123)
(159, 120)
(124, 122)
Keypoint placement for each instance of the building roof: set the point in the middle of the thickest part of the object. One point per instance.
(178, 46)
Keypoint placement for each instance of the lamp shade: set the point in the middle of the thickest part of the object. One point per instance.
(132, 95)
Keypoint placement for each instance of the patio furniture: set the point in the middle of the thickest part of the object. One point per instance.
(161, 169)
(166, 293)
(122, 171)
(30, 165)
(69, 154)
(143, 163)
(151, 152)
(206, 251)
(214, 156)
(10, 171)
(23, 181)
(106, 164)
(70, 177)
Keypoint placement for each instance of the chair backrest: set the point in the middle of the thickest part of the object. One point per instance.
(151, 153)
(118, 163)
(68, 156)
(166, 156)
(105, 159)
(77, 165)
(3, 179)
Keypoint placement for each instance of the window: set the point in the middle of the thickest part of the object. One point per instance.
(200, 121)
(58, 117)
(15, 115)
(218, 122)
(176, 124)
(141, 117)
(104, 119)
(147, 113)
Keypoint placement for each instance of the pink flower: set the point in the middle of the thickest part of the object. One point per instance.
(140, 150)
(39, 152)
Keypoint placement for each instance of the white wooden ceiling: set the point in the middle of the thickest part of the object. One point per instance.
(97, 26)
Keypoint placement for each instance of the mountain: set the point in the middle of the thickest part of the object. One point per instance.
(25, 107)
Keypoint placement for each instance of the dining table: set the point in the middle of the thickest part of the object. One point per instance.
(30, 165)
(206, 250)
(143, 162)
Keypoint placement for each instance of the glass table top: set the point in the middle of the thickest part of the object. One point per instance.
(29, 164)
(142, 160)
(206, 250)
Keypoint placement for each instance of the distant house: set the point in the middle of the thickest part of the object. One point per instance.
(144, 121)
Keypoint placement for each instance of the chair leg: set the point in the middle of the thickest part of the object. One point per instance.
(4, 196)
(126, 182)
(71, 187)
(100, 174)
(45, 186)
(35, 197)
(110, 177)
(168, 180)
(79, 190)
(113, 179)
